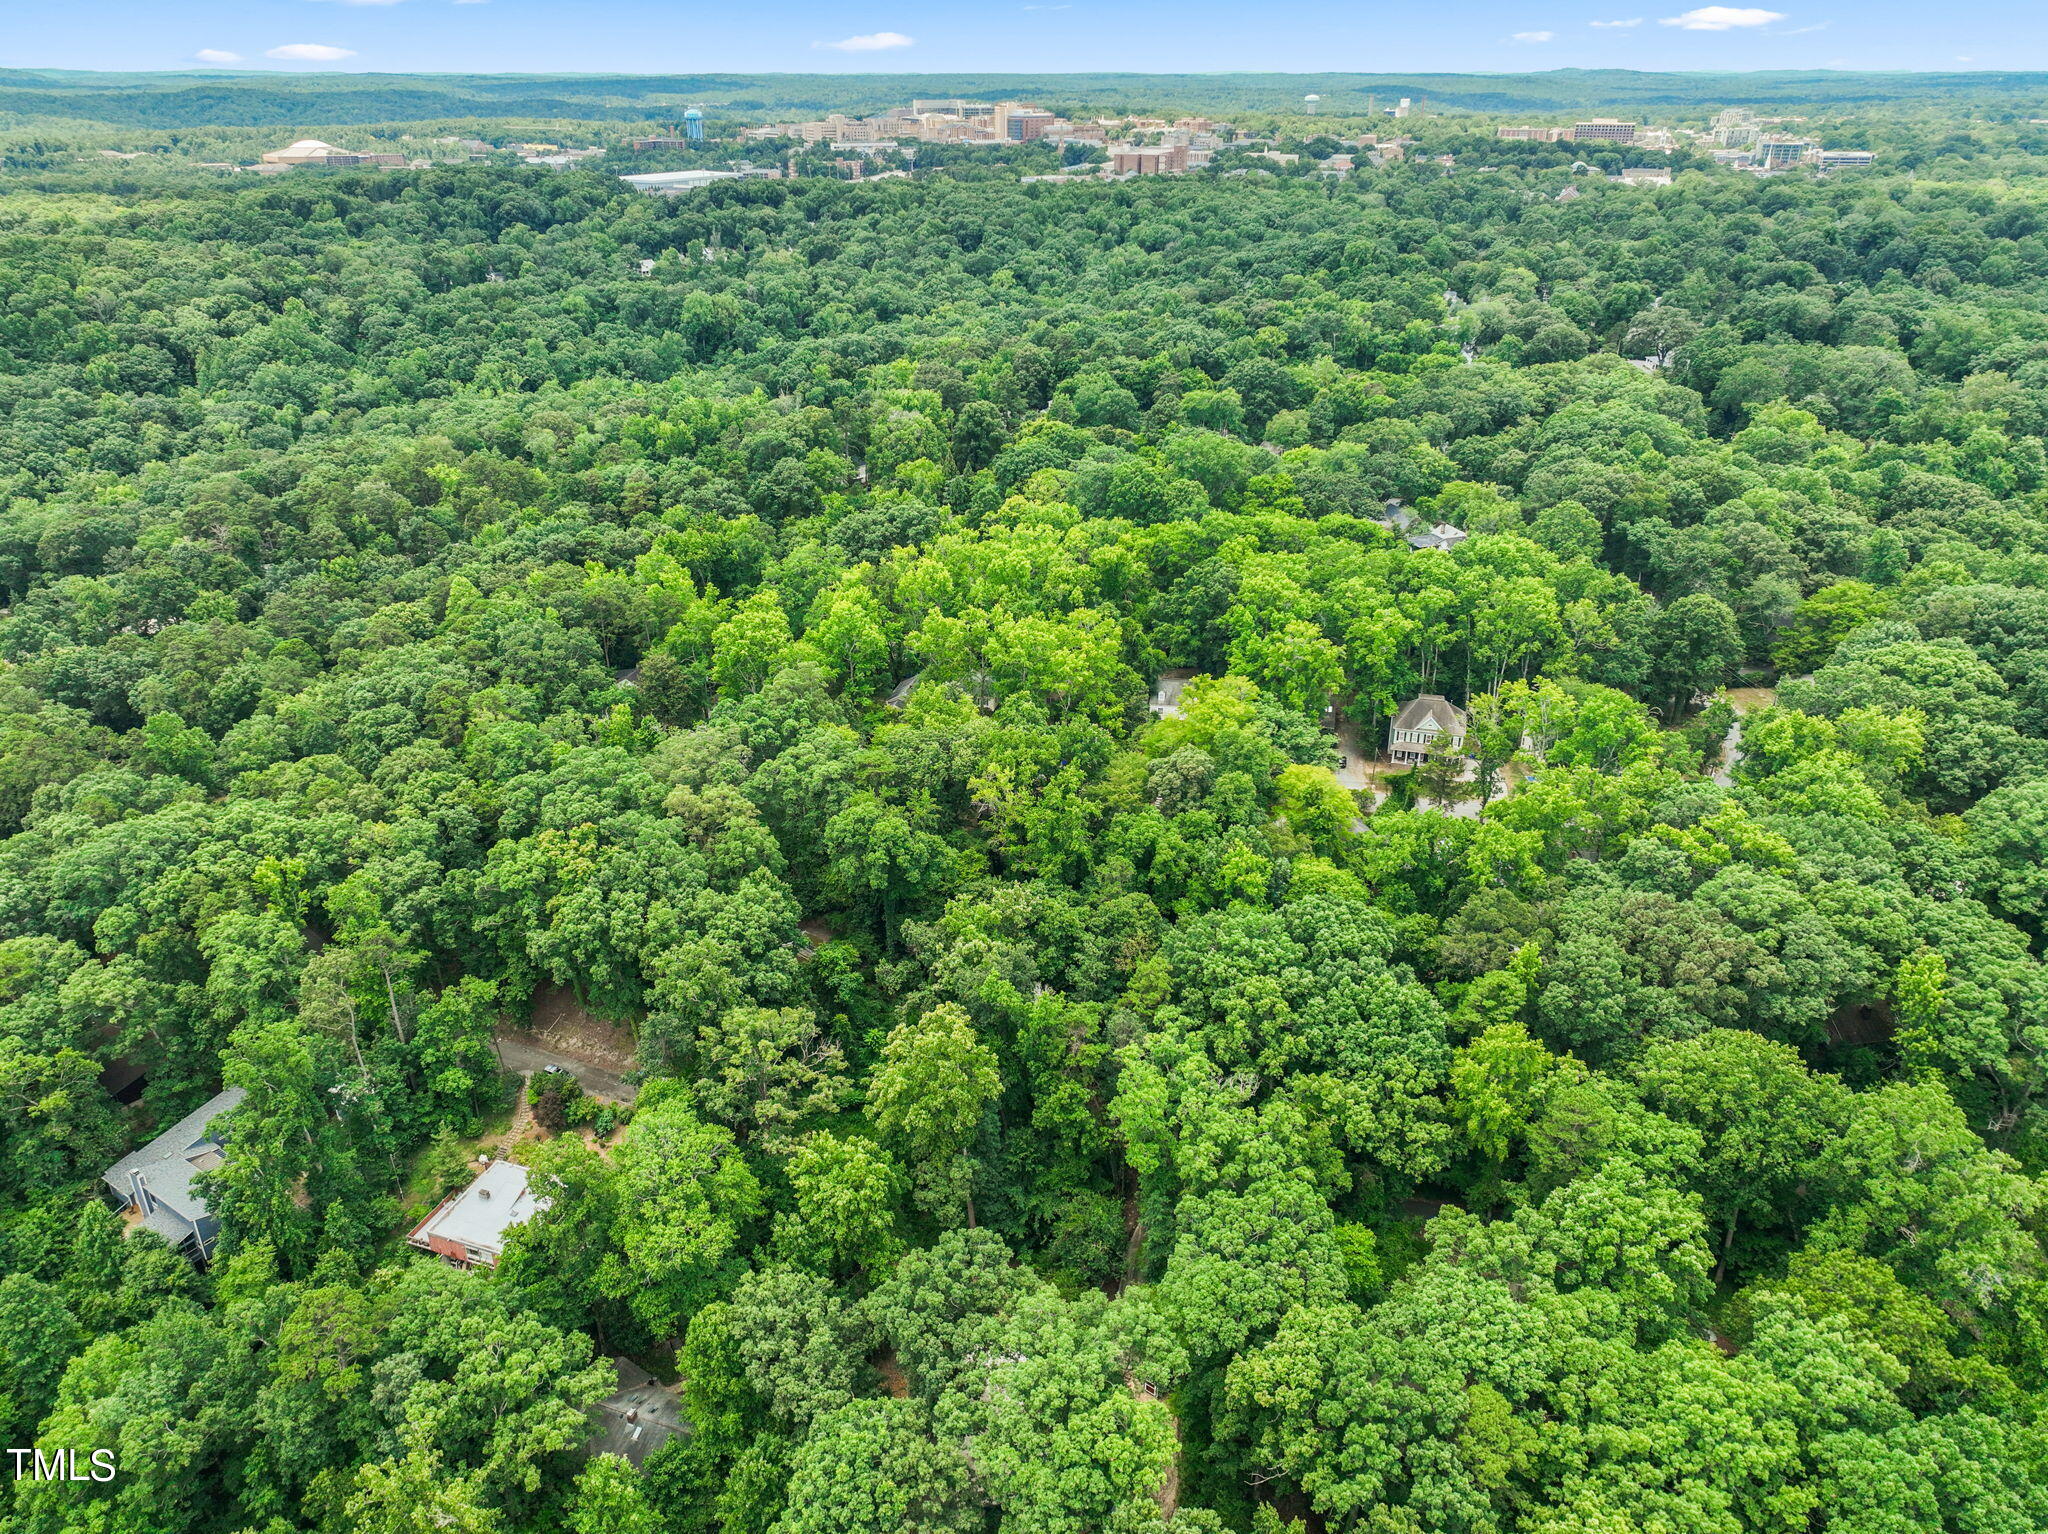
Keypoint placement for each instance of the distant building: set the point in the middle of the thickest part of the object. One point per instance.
(1418, 725)
(1529, 135)
(833, 126)
(1777, 153)
(1645, 175)
(1735, 128)
(312, 151)
(944, 128)
(1148, 160)
(308, 151)
(657, 143)
(469, 1228)
(154, 1186)
(667, 183)
(1844, 159)
(1610, 130)
(953, 106)
(1022, 124)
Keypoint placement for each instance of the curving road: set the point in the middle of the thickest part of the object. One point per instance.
(528, 1058)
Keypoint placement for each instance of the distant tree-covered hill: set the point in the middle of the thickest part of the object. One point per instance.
(191, 98)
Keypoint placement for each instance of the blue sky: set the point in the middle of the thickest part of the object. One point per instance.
(924, 35)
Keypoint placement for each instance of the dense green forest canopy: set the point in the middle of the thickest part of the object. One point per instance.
(198, 97)
(429, 590)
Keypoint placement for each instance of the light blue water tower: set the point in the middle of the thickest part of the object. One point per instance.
(693, 125)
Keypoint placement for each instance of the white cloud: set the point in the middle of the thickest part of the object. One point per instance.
(217, 56)
(366, 2)
(309, 53)
(1533, 37)
(869, 42)
(1633, 21)
(1723, 18)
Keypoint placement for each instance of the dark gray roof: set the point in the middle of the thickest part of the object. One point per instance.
(1430, 709)
(640, 1418)
(170, 1163)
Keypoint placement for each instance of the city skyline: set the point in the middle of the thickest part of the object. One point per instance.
(527, 36)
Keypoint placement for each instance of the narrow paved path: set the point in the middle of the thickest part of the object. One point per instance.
(1352, 774)
(1745, 700)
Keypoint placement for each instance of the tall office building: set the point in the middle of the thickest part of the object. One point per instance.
(1610, 130)
(1023, 124)
(1144, 160)
(1735, 127)
(1777, 153)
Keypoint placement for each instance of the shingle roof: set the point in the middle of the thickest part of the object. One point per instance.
(1430, 712)
(642, 1416)
(169, 1163)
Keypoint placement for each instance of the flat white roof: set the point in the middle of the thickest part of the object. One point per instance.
(656, 181)
(480, 1214)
